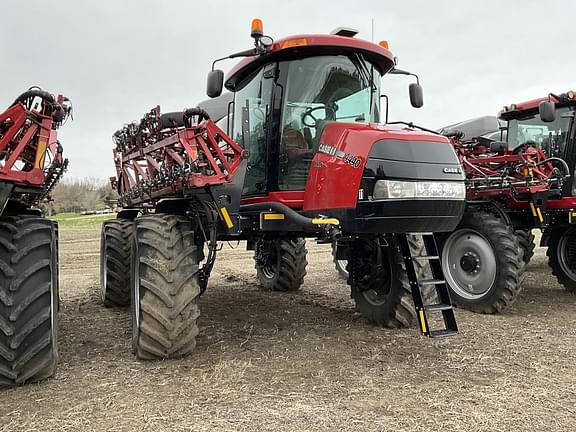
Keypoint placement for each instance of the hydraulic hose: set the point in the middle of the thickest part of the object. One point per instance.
(294, 216)
(562, 162)
(202, 114)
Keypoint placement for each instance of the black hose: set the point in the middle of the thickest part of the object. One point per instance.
(458, 134)
(35, 92)
(278, 207)
(412, 125)
(557, 159)
(202, 114)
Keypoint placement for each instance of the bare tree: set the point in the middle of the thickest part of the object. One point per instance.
(78, 195)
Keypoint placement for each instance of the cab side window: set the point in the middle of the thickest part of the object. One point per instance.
(250, 128)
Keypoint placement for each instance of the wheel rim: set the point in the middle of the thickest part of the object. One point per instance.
(270, 260)
(567, 253)
(469, 263)
(342, 264)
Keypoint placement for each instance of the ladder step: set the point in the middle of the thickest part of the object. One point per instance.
(437, 307)
(432, 282)
(426, 257)
(443, 333)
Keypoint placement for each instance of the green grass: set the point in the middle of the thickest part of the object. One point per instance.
(76, 221)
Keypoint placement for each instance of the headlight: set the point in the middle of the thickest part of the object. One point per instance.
(396, 189)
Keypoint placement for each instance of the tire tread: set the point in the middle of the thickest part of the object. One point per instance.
(169, 289)
(28, 351)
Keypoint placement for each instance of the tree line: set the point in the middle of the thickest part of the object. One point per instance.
(81, 195)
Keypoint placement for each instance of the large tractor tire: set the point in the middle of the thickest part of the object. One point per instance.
(562, 257)
(281, 264)
(115, 246)
(526, 240)
(340, 264)
(165, 289)
(379, 283)
(483, 263)
(28, 300)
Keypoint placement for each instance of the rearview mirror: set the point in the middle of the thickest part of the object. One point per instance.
(416, 95)
(547, 111)
(215, 83)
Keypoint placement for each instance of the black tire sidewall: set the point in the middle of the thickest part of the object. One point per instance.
(135, 294)
(286, 277)
(553, 253)
(397, 309)
(395, 288)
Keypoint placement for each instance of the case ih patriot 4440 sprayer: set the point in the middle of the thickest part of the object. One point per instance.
(307, 159)
(31, 163)
(512, 188)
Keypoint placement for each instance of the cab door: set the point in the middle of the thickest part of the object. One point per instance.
(252, 126)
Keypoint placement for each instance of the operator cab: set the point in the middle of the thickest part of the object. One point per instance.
(547, 125)
(287, 91)
(287, 104)
(552, 137)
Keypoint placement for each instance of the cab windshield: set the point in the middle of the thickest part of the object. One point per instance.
(551, 137)
(320, 90)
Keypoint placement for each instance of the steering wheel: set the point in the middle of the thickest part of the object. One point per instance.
(308, 113)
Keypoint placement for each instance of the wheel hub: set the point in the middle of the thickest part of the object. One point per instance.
(470, 262)
(372, 279)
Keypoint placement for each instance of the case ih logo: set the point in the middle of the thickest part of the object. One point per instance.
(346, 157)
(452, 170)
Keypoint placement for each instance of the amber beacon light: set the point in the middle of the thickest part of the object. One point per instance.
(257, 29)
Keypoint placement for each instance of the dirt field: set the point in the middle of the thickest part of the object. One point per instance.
(302, 362)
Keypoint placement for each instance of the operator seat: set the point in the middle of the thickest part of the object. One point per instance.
(299, 157)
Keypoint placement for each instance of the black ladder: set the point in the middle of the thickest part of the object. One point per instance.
(444, 304)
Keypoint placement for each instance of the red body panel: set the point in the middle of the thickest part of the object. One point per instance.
(334, 179)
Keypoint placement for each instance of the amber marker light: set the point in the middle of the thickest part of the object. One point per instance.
(295, 43)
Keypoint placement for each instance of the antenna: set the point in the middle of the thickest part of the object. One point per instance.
(372, 30)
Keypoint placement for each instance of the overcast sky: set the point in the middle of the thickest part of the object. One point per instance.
(117, 59)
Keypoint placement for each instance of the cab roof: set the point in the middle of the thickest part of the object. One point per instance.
(299, 46)
(515, 110)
